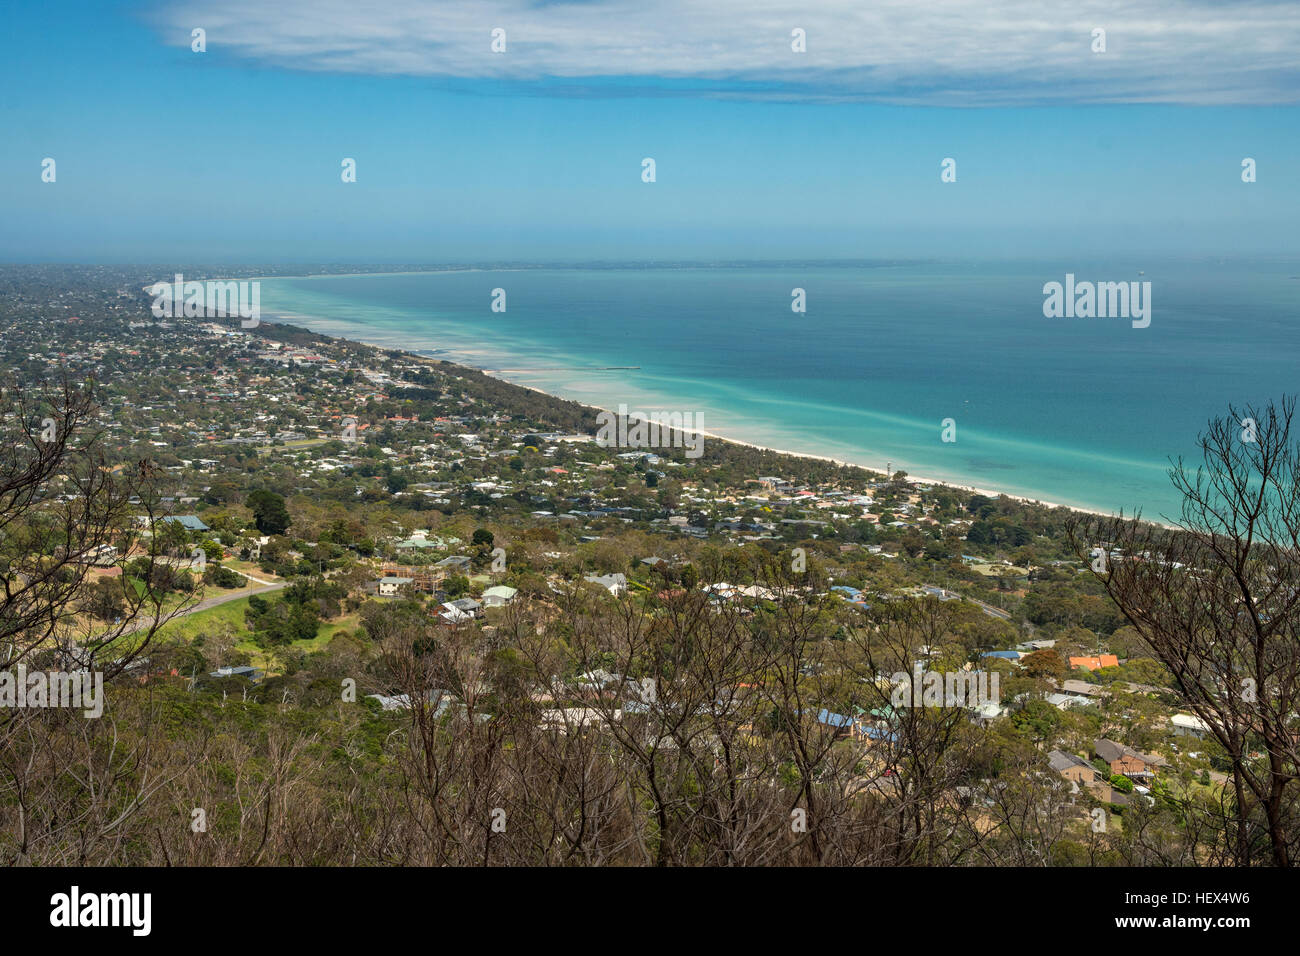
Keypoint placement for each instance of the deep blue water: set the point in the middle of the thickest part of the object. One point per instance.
(1077, 411)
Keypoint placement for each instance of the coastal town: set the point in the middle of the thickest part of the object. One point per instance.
(343, 541)
(472, 465)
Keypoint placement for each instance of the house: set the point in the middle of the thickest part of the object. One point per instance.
(252, 673)
(188, 522)
(1102, 791)
(464, 609)
(102, 556)
(577, 719)
(986, 712)
(454, 615)
(1127, 761)
(419, 542)
(498, 596)
(1039, 645)
(468, 605)
(1072, 768)
(597, 680)
(615, 584)
(423, 577)
(1189, 725)
(856, 728)
(840, 723)
(1066, 701)
(852, 595)
(389, 585)
(1081, 688)
(440, 700)
(1094, 663)
(457, 562)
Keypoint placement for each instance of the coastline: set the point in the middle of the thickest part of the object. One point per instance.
(913, 479)
(341, 275)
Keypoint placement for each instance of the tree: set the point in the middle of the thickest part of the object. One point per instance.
(61, 510)
(105, 599)
(1044, 663)
(912, 542)
(269, 512)
(222, 577)
(1038, 718)
(1217, 599)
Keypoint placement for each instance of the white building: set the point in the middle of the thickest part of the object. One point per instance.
(499, 595)
(390, 585)
(615, 584)
(1189, 725)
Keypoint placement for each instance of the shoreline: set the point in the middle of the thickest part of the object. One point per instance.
(336, 275)
(912, 479)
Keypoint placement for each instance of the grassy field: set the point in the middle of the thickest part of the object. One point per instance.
(230, 616)
(210, 621)
(298, 443)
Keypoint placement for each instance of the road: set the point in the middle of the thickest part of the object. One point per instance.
(992, 611)
(943, 594)
(208, 603)
(226, 598)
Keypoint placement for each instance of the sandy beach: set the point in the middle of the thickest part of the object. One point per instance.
(912, 478)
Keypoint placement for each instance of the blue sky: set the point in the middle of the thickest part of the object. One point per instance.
(234, 154)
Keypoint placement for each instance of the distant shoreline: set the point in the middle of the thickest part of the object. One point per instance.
(911, 478)
(340, 275)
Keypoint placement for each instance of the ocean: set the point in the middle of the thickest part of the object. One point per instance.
(1086, 412)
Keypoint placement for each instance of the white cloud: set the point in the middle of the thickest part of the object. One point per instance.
(942, 52)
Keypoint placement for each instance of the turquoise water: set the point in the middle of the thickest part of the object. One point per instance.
(1085, 412)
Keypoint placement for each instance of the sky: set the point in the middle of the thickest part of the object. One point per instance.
(463, 154)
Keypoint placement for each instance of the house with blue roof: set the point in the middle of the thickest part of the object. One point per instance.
(846, 726)
(188, 522)
(852, 595)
